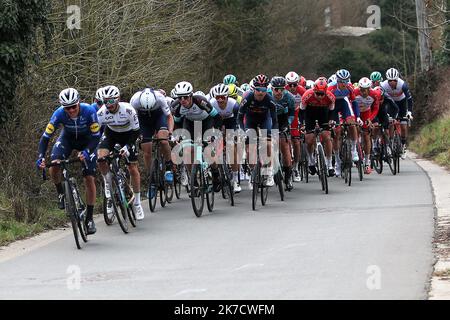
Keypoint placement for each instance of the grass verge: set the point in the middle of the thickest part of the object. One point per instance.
(433, 142)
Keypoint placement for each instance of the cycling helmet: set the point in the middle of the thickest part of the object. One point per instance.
(332, 79)
(261, 80)
(147, 99)
(245, 87)
(183, 89)
(278, 82)
(252, 84)
(376, 76)
(365, 83)
(392, 74)
(302, 81)
(292, 77)
(220, 90)
(320, 85)
(343, 75)
(99, 94)
(200, 93)
(69, 97)
(233, 91)
(309, 84)
(229, 79)
(172, 94)
(111, 92)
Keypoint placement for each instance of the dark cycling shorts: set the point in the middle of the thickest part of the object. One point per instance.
(111, 138)
(382, 117)
(321, 114)
(151, 123)
(265, 123)
(283, 122)
(229, 124)
(402, 108)
(190, 126)
(66, 144)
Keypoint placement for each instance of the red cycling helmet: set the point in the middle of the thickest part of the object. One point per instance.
(320, 85)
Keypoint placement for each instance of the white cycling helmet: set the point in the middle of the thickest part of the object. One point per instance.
(332, 79)
(392, 74)
(343, 75)
(111, 92)
(172, 94)
(292, 77)
(69, 97)
(245, 87)
(365, 83)
(309, 84)
(147, 99)
(183, 89)
(99, 94)
(220, 90)
(200, 93)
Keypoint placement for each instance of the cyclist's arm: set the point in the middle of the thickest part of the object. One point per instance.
(95, 133)
(408, 96)
(273, 114)
(48, 133)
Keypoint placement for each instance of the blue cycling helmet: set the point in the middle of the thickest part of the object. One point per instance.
(343, 75)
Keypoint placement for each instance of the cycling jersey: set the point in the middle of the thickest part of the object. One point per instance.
(399, 94)
(298, 114)
(317, 109)
(161, 104)
(125, 119)
(256, 112)
(84, 127)
(345, 102)
(81, 133)
(285, 109)
(200, 110)
(230, 111)
(369, 106)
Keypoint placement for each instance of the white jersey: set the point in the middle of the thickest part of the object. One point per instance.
(124, 120)
(365, 104)
(396, 94)
(228, 112)
(161, 102)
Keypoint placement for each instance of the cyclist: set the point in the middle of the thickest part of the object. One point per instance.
(121, 127)
(80, 132)
(285, 111)
(190, 109)
(376, 79)
(235, 93)
(294, 87)
(369, 103)
(228, 109)
(259, 108)
(348, 108)
(398, 90)
(98, 100)
(318, 104)
(154, 118)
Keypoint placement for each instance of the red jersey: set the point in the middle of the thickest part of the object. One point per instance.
(309, 99)
(370, 105)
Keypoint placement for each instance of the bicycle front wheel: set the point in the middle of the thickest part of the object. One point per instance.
(69, 206)
(119, 200)
(197, 190)
(153, 185)
(323, 169)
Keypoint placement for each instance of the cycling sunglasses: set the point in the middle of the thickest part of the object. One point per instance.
(184, 97)
(110, 101)
(278, 89)
(72, 107)
(293, 85)
(261, 89)
(221, 98)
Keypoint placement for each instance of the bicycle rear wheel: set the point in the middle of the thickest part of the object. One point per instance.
(377, 160)
(360, 162)
(80, 216)
(130, 207)
(197, 190)
(279, 182)
(69, 206)
(177, 182)
(227, 188)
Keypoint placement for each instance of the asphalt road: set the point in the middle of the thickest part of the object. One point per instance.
(369, 241)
